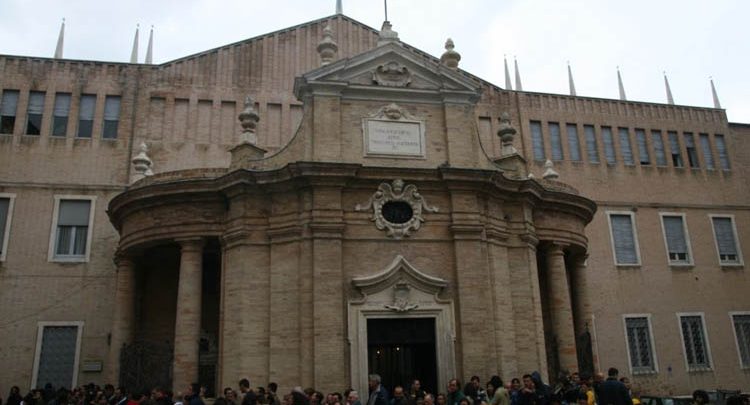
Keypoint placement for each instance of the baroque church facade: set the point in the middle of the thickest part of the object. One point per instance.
(326, 201)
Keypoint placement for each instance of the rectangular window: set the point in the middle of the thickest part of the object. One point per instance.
(592, 150)
(60, 114)
(555, 139)
(674, 149)
(721, 147)
(694, 342)
(86, 116)
(624, 241)
(34, 113)
(741, 323)
(8, 111)
(574, 144)
(676, 239)
(692, 153)
(725, 236)
(640, 344)
(609, 145)
(537, 142)
(72, 229)
(111, 117)
(658, 142)
(6, 210)
(625, 147)
(643, 155)
(57, 354)
(708, 156)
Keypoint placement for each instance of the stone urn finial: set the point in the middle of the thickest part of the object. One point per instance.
(387, 34)
(327, 47)
(450, 57)
(142, 163)
(249, 120)
(506, 133)
(549, 171)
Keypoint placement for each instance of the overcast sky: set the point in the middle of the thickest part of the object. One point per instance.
(689, 39)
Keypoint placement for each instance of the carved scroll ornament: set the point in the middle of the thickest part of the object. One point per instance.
(397, 209)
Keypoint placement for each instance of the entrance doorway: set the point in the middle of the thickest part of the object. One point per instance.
(401, 350)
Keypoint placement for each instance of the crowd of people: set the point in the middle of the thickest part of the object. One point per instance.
(570, 389)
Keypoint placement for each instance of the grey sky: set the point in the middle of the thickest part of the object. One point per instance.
(689, 39)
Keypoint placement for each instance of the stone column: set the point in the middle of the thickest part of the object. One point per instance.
(583, 313)
(123, 317)
(560, 307)
(188, 318)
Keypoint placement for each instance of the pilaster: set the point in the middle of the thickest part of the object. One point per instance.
(560, 307)
(123, 318)
(188, 316)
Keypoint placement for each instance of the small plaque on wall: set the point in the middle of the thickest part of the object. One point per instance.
(391, 133)
(91, 366)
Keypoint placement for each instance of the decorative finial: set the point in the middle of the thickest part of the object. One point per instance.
(249, 120)
(717, 104)
(60, 41)
(620, 86)
(549, 171)
(508, 86)
(327, 47)
(134, 52)
(571, 84)
(670, 99)
(142, 163)
(150, 49)
(450, 57)
(519, 87)
(387, 34)
(506, 133)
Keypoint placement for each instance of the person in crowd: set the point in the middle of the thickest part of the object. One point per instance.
(480, 395)
(14, 397)
(416, 392)
(454, 393)
(273, 398)
(352, 398)
(585, 389)
(514, 391)
(248, 395)
(527, 394)
(700, 397)
(428, 399)
(612, 391)
(378, 394)
(192, 395)
(398, 396)
(496, 392)
(441, 399)
(300, 397)
(230, 396)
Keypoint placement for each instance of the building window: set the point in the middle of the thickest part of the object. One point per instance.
(725, 235)
(674, 149)
(6, 212)
(695, 342)
(574, 144)
(86, 116)
(741, 323)
(640, 344)
(60, 114)
(609, 145)
(57, 354)
(537, 142)
(721, 147)
(111, 117)
(34, 113)
(708, 155)
(625, 147)
(643, 155)
(658, 142)
(72, 234)
(624, 241)
(692, 153)
(592, 150)
(8, 111)
(676, 239)
(555, 140)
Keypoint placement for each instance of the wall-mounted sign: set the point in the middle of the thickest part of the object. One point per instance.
(392, 132)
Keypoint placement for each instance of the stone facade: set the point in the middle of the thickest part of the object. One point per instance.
(513, 268)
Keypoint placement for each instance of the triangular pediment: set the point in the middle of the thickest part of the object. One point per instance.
(390, 66)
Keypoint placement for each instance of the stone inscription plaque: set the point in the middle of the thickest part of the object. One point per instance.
(396, 138)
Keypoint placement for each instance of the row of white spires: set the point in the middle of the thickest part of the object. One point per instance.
(508, 85)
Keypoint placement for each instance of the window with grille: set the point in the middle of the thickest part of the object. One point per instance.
(624, 243)
(609, 145)
(674, 149)
(692, 153)
(537, 142)
(721, 147)
(742, 333)
(658, 143)
(640, 347)
(8, 106)
(111, 116)
(675, 235)
(57, 355)
(708, 156)
(625, 148)
(555, 140)
(726, 240)
(72, 228)
(34, 113)
(574, 147)
(60, 114)
(643, 155)
(592, 150)
(694, 342)
(86, 115)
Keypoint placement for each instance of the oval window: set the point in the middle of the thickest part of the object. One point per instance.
(397, 212)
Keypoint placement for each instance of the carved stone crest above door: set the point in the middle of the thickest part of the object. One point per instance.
(392, 74)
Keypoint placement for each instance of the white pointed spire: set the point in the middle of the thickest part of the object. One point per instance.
(670, 99)
(150, 49)
(717, 104)
(134, 53)
(60, 41)
(620, 86)
(508, 86)
(339, 7)
(571, 84)
(519, 87)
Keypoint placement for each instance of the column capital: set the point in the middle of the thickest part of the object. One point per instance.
(123, 260)
(191, 243)
(556, 248)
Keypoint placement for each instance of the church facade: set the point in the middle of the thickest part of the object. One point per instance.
(373, 209)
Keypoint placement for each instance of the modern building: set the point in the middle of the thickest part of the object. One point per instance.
(371, 208)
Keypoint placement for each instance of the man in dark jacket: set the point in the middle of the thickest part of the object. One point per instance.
(613, 392)
(378, 394)
(248, 395)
